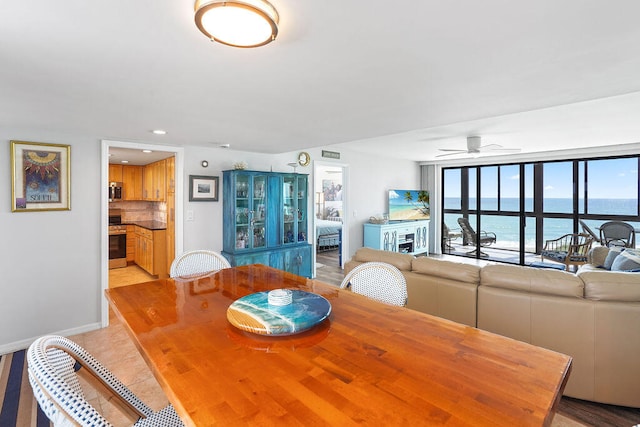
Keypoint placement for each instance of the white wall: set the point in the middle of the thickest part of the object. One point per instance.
(51, 261)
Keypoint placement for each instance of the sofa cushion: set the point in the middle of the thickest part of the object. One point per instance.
(610, 285)
(611, 256)
(532, 280)
(400, 261)
(628, 260)
(462, 272)
(597, 255)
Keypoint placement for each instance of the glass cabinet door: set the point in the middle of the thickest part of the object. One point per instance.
(250, 211)
(294, 209)
(289, 209)
(301, 206)
(258, 212)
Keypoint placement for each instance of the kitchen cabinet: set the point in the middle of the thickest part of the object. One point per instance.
(131, 243)
(171, 175)
(265, 220)
(115, 173)
(150, 250)
(411, 237)
(132, 182)
(154, 181)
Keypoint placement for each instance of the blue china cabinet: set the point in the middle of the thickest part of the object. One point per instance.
(265, 220)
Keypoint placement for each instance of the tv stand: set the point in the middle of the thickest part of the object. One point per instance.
(410, 237)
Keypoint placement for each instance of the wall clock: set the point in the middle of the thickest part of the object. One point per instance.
(304, 158)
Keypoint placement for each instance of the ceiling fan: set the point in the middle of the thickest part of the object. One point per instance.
(474, 145)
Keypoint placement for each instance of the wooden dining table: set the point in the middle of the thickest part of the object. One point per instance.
(368, 363)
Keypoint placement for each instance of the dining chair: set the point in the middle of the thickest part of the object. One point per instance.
(377, 280)
(618, 233)
(470, 237)
(197, 262)
(570, 250)
(54, 364)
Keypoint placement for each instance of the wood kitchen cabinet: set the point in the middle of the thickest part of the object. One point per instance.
(171, 175)
(115, 173)
(131, 243)
(154, 181)
(132, 182)
(150, 250)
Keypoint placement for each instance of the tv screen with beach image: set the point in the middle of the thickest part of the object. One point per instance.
(408, 205)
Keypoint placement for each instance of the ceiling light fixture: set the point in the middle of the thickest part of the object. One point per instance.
(147, 151)
(159, 132)
(246, 23)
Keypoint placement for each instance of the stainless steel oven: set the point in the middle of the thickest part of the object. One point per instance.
(117, 240)
(115, 191)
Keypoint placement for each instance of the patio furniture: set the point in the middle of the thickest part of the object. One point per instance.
(470, 237)
(617, 233)
(447, 236)
(570, 249)
(378, 280)
(54, 363)
(197, 262)
(586, 229)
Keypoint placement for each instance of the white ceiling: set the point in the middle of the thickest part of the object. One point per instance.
(401, 78)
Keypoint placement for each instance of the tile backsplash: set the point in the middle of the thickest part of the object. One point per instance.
(142, 211)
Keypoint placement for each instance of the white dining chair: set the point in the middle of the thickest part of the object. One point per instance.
(197, 262)
(53, 365)
(379, 281)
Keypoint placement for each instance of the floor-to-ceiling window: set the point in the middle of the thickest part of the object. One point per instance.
(525, 204)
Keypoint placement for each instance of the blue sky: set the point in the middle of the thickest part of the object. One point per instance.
(608, 179)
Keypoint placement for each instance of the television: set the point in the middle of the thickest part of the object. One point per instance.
(409, 205)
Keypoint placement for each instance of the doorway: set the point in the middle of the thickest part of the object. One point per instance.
(166, 209)
(329, 212)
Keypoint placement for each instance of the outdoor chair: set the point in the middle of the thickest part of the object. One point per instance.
(570, 250)
(589, 231)
(447, 236)
(470, 237)
(379, 281)
(54, 364)
(197, 263)
(618, 233)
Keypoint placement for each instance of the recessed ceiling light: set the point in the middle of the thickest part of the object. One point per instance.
(159, 132)
(147, 151)
(224, 145)
(124, 161)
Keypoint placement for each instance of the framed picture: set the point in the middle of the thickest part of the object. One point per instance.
(40, 177)
(203, 188)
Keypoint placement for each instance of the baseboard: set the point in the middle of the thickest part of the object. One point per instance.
(20, 345)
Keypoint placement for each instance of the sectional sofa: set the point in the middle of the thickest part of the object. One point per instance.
(593, 315)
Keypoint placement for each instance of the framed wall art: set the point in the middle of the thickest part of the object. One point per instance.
(40, 177)
(203, 188)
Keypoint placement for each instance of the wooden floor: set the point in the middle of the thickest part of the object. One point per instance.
(584, 412)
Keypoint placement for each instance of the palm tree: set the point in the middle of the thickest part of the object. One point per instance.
(423, 200)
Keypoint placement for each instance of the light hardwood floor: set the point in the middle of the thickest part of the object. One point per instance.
(115, 349)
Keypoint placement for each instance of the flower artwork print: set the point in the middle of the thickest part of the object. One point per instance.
(42, 176)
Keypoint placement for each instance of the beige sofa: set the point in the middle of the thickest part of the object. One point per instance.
(593, 316)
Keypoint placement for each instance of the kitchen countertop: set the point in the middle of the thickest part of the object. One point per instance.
(149, 225)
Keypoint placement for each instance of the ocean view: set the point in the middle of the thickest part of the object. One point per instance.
(507, 229)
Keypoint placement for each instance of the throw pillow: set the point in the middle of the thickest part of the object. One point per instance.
(611, 256)
(628, 260)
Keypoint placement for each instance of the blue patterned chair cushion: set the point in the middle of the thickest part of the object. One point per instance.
(559, 256)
